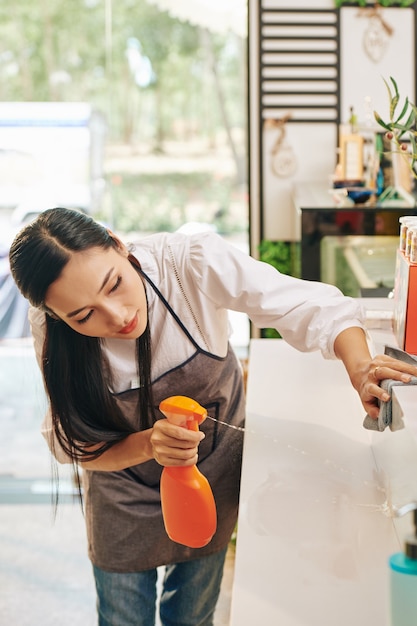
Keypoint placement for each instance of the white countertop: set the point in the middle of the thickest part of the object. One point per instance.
(314, 530)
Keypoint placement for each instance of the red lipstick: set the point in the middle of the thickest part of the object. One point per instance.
(130, 327)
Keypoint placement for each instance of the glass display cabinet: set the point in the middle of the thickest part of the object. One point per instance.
(351, 247)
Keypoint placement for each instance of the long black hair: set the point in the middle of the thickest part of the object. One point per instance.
(77, 377)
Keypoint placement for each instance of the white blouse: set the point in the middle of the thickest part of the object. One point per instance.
(202, 276)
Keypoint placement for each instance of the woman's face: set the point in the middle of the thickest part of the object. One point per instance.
(100, 294)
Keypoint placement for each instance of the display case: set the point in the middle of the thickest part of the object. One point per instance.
(359, 265)
(326, 228)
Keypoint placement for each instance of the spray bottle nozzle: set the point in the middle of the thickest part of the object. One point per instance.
(183, 411)
(411, 540)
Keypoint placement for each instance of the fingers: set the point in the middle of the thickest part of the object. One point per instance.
(391, 368)
(380, 372)
(173, 445)
(371, 409)
(374, 373)
(380, 368)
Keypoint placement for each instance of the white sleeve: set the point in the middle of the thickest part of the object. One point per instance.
(37, 325)
(308, 315)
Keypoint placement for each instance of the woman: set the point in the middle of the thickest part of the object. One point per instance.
(117, 331)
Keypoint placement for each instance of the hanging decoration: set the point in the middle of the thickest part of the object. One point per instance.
(384, 3)
(283, 159)
(377, 33)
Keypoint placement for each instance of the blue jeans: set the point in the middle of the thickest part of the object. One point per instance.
(189, 594)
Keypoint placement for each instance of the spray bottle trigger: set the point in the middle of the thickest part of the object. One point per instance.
(183, 411)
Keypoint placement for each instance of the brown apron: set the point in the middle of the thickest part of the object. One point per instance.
(123, 509)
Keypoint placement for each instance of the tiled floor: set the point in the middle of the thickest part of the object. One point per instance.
(45, 575)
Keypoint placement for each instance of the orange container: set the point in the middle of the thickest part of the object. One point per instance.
(405, 304)
(188, 506)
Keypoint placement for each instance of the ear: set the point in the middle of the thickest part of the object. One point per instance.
(50, 313)
(119, 243)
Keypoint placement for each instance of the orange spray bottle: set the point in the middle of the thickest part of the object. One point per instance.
(188, 506)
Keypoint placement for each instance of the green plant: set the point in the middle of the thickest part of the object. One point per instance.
(401, 126)
(382, 3)
(285, 257)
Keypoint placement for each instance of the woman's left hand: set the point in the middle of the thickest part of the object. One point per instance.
(368, 377)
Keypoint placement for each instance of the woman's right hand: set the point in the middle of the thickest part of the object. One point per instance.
(174, 445)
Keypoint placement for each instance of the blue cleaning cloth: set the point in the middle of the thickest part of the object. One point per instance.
(390, 414)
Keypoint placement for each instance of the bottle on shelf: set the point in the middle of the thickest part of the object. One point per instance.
(403, 577)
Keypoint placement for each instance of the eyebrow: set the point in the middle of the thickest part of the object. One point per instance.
(103, 284)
